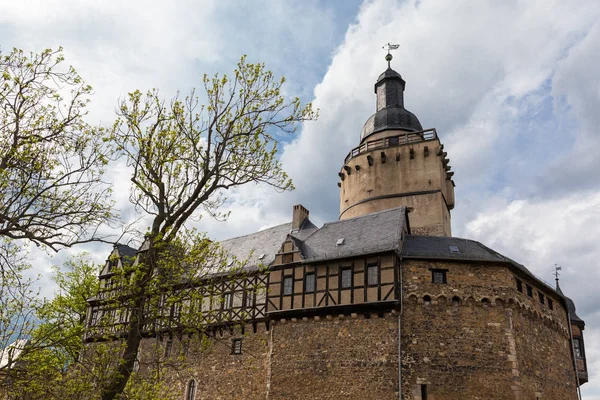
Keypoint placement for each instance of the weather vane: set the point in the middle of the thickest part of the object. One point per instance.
(389, 47)
(556, 273)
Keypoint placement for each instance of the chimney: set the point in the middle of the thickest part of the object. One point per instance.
(300, 214)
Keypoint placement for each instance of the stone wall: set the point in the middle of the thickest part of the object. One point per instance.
(491, 342)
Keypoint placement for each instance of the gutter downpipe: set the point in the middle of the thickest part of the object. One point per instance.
(400, 330)
(573, 355)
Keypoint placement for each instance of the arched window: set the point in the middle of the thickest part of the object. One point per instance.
(191, 390)
(426, 299)
(485, 301)
(456, 301)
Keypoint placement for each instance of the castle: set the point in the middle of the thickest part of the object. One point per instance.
(382, 304)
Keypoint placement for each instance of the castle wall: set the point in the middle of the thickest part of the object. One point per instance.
(332, 358)
(490, 342)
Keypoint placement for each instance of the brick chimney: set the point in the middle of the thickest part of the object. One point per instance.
(300, 214)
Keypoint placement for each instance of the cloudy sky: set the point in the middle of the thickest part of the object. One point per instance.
(512, 87)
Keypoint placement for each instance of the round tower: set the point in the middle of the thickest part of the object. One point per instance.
(398, 163)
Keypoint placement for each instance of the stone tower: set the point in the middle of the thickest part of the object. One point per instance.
(398, 163)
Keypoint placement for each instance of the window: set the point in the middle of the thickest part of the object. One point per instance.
(346, 278)
(550, 305)
(529, 291)
(236, 346)
(394, 141)
(227, 301)
(519, 285)
(288, 285)
(191, 390)
(372, 274)
(250, 298)
(309, 283)
(578, 347)
(485, 302)
(438, 275)
(426, 299)
(423, 392)
(541, 297)
(456, 301)
(454, 249)
(168, 348)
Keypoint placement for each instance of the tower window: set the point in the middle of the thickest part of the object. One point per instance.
(550, 304)
(529, 291)
(346, 278)
(309, 283)
(438, 276)
(427, 299)
(519, 285)
(288, 285)
(372, 274)
(541, 297)
(236, 346)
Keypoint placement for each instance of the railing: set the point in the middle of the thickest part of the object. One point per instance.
(392, 141)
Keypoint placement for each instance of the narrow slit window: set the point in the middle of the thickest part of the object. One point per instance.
(346, 278)
(227, 298)
(288, 285)
(191, 390)
(423, 392)
(577, 347)
(168, 348)
(541, 297)
(550, 304)
(372, 274)
(519, 285)
(309, 283)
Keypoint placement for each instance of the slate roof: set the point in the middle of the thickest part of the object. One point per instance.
(128, 253)
(266, 242)
(380, 231)
(570, 307)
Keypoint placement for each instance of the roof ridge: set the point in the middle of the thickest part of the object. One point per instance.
(254, 233)
(363, 216)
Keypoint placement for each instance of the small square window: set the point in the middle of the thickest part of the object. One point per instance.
(541, 297)
(372, 274)
(288, 285)
(529, 291)
(394, 141)
(309, 283)
(236, 346)
(438, 276)
(550, 304)
(519, 285)
(346, 278)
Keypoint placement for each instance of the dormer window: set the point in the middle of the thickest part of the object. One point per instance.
(340, 242)
(454, 249)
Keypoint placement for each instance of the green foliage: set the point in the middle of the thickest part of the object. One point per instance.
(51, 160)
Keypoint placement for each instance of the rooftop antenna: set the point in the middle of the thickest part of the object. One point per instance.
(556, 273)
(389, 47)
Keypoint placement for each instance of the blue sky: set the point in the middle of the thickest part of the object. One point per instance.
(512, 88)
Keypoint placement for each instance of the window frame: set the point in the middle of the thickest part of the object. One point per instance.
(550, 304)
(443, 273)
(578, 348)
(236, 346)
(227, 303)
(529, 290)
(341, 284)
(377, 274)
(541, 298)
(287, 278)
(314, 282)
(191, 390)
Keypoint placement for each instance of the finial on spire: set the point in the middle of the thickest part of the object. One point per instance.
(388, 56)
(556, 273)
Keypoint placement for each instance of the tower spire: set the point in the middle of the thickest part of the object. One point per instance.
(389, 47)
(556, 274)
